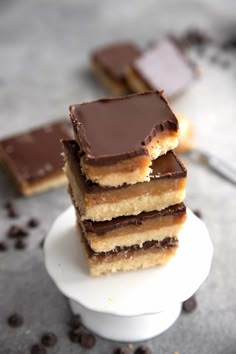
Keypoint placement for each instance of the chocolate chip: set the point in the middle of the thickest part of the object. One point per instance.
(229, 44)
(198, 213)
(190, 304)
(75, 322)
(121, 351)
(41, 244)
(11, 210)
(33, 222)
(17, 231)
(38, 349)
(20, 244)
(3, 246)
(74, 336)
(8, 204)
(87, 340)
(143, 350)
(49, 339)
(15, 320)
(194, 37)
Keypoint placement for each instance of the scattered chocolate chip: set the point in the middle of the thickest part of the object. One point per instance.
(3, 246)
(123, 350)
(33, 222)
(12, 213)
(190, 304)
(143, 350)
(74, 336)
(229, 44)
(41, 244)
(195, 37)
(87, 340)
(20, 244)
(38, 349)
(17, 231)
(198, 213)
(75, 322)
(49, 339)
(15, 320)
(11, 209)
(9, 204)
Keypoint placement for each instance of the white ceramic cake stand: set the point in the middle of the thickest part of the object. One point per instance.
(130, 306)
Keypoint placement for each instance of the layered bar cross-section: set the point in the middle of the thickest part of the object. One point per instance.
(96, 203)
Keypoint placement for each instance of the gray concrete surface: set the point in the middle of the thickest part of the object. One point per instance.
(44, 47)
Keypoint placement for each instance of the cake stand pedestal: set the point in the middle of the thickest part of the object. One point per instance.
(130, 306)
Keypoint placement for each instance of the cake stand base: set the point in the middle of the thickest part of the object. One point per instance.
(127, 329)
(128, 306)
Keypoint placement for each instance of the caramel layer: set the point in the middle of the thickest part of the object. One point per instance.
(167, 187)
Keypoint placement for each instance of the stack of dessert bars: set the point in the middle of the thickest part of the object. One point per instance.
(125, 182)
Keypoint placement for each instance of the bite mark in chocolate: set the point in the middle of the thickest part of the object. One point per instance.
(166, 166)
(120, 121)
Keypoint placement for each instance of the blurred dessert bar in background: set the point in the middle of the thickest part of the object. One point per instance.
(33, 158)
(186, 135)
(110, 64)
(126, 226)
(164, 66)
(111, 157)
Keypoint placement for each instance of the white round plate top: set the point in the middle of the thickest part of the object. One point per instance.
(133, 293)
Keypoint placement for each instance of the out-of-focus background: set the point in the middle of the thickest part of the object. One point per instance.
(44, 67)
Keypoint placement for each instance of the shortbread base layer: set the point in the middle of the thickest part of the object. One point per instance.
(128, 260)
(117, 87)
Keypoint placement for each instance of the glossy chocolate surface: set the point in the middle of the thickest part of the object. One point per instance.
(36, 153)
(114, 129)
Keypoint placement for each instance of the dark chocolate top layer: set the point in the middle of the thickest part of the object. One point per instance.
(114, 129)
(36, 153)
(165, 67)
(101, 227)
(115, 58)
(166, 243)
(166, 166)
